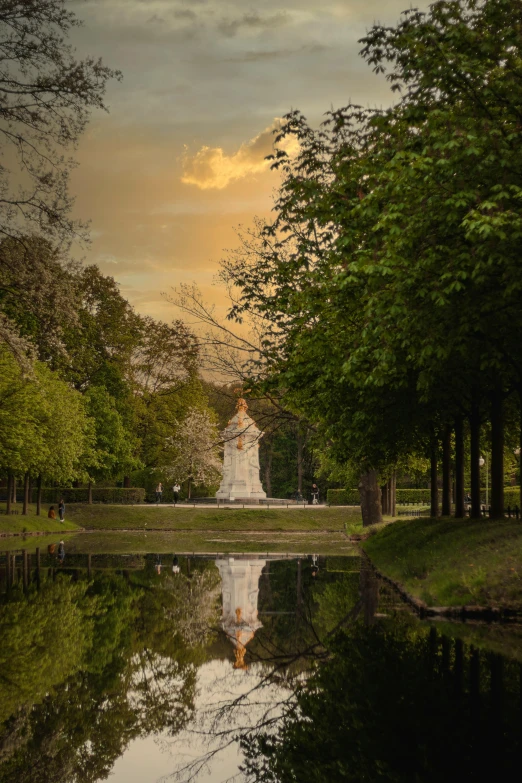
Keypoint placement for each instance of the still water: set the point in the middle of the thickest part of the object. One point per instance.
(144, 667)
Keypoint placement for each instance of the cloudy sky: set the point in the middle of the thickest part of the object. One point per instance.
(179, 161)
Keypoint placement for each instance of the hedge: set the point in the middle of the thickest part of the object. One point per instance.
(343, 497)
(350, 497)
(99, 494)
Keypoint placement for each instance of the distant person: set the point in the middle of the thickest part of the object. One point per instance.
(158, 564)
(315, 567)
(61, 552)
(52, 513)
(61, 510)
(51, 549)
(175, 565)
(159, 492)
(315, 494)
(175, 492)
(298, 497)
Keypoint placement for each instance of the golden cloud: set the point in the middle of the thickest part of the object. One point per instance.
(211, 167)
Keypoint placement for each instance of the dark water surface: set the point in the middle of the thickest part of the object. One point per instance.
(113, 666)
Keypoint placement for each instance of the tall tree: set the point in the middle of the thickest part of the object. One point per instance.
(46, 97)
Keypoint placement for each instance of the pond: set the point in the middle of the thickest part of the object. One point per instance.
(146, 666)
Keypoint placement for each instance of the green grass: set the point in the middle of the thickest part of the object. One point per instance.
(106, 517)
(31, 523)
(449, 562)
(289, 542)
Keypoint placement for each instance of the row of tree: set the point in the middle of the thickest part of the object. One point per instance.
(386, 290)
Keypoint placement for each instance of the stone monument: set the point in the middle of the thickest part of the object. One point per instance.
(240, 591)
(241, 458)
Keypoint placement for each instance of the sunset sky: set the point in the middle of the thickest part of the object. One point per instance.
(178, 162)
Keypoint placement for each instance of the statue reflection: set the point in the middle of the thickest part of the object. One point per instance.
(240, 591)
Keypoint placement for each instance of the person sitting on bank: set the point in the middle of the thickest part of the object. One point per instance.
(52, 513)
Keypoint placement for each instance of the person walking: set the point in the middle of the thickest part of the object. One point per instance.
(159, 492)
(175, 492)
(315, 494)
(61, 510)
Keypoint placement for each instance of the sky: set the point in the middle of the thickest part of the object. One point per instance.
(178, 163)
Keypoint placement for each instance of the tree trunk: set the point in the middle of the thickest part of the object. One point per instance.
(126, 482)
(189, 487)
(434, 479)
(39, 495)
(474, 424)
(268, 473)
(14, 489)
(446, 473)
(459, 467)
(9, 492)
(370, 498)
(300, 451)
(384, 499)
(520, 453)
(26, 494)
(497, 453)
(89, 493)
(393, 494)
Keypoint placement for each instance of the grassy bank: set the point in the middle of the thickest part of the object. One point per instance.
(16, 523)
(105, 517)
(453, 562)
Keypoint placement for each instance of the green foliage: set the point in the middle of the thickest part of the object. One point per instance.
(343, 497)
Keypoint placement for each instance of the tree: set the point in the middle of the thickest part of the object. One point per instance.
(46, 97)
(111, 451)
(43, 423)
(194, 450)
(38, 300)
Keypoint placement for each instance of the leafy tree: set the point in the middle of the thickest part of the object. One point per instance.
(43, 423)
(194, 450)
(37, 298)
(46, 96)
(111, 451)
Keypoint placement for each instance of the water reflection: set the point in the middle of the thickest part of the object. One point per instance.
(240, 591)
(242, 662)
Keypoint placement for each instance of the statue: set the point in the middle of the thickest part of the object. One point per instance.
(241, 458)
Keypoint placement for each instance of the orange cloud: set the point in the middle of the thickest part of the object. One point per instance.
(211, 167)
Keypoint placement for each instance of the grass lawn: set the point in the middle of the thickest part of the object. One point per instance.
(450, 562)
(31, 523)
(105, 517)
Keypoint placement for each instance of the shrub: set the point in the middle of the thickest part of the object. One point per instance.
(343, 497)
(99, 494)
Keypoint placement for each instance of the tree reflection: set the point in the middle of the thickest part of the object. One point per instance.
(89, 666)
(393, 701)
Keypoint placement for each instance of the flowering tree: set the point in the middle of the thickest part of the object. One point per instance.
(194, 449)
